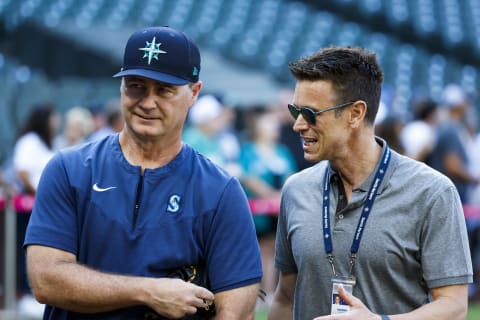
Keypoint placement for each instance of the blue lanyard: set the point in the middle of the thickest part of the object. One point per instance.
(367, 208)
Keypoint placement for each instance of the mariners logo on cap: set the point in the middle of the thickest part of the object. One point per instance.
(152, 50)
(177, 56)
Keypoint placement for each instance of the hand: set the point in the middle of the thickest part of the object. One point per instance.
(357, 309)
(175, 298)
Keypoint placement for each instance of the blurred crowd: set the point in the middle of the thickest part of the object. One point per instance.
(256, 144)
(444, 133)
(44, 131)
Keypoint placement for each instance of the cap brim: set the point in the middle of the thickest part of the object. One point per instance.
(154, 75)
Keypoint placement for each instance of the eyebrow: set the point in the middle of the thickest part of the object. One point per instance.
(157, 83)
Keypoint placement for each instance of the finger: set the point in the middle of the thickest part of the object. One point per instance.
(208, 303)
(204, 294)
(201, 303)
(190, 310)
(345, 295)
(204, 298)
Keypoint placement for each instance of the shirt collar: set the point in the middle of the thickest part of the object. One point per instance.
(366, 184)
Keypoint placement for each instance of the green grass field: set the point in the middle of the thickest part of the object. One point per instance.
(473, 313)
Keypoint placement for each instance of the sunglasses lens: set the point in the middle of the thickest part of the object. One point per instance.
(293, 111)
(308, 115)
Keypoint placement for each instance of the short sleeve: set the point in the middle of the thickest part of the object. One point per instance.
(445, 251)
(233, 254)
(53, 219)
(284, 259)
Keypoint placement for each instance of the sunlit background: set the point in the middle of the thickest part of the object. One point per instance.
(65, 51)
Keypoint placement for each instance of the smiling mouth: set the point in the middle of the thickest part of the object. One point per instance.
(308, 141)
(145, 117)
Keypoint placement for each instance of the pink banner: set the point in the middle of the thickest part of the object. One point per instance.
(271, 206)
(471, 212)
(23, 203)
(265, 206)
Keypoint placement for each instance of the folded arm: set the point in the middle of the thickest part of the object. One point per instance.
(57, 279)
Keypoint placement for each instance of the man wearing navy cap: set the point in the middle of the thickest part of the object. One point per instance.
(117, 221)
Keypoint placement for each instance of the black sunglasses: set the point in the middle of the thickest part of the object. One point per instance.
(308, 114)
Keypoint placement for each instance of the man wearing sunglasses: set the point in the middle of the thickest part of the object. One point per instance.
(383, 231)
(116, 222)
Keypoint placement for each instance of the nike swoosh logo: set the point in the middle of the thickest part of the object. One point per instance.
(97, 188)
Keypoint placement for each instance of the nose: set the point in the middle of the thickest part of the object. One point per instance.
(300, 124)
(149, 100)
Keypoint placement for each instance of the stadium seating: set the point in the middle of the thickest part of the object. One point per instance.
(421, 44)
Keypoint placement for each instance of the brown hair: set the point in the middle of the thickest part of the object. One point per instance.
(353, 72)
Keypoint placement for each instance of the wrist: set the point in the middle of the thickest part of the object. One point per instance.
(143, 291)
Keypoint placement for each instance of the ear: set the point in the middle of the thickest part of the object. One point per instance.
(196, 87)
(357, 113)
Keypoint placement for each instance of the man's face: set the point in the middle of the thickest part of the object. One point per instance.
(154, 109)
(324, 139)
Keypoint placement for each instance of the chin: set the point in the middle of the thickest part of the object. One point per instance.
(310, 157)
(144, 134)
(313, 157)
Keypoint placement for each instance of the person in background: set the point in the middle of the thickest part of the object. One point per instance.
(212, 134)
(32, 151)
(99, 119)
(418, 136)
(472, 207)
(385, 232)
(288, 137)
(449, 155)
(390, 129)
(138, 225)
(78, 125)
(473, 153)
(107, 121)
(266, 164)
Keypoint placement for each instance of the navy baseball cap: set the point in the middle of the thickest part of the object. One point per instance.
(162, 54)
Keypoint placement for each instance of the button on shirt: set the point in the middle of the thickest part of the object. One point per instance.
(342, 196)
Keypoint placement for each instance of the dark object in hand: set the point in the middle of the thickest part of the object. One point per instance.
(195, 275)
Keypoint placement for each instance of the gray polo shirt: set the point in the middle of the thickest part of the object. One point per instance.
(415, 238)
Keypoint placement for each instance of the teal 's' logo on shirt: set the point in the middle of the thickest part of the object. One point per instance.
(174, 203)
